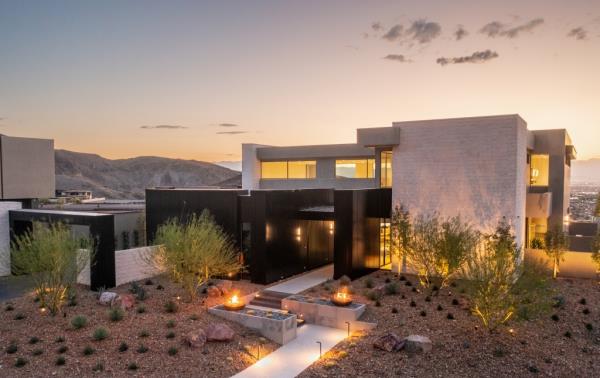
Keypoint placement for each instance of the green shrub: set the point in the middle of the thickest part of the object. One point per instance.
(537, 244)
(132, 366)
(115, 314)
(369, 283)
(54, 258)
(170, 335)
(567, 334)
(556, 244)
(60, 361)
(171, 307)
(20, 316)
(123, 347)
(194, 252)
(20, 362)
(34, 340)
(148, 282)
(100, 334)
(78, 322)
(9, 307)
(450, 316)
(142, 348)
(589, 326)
(391, 288)
(172, 351)
(62, 349)
(423, 313)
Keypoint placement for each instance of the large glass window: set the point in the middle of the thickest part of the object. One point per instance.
(386, 169)
(273, 169)
(302, 169)
(288, 169)
(537, 228)
(357, 169)
(385, 248)
(539, 170)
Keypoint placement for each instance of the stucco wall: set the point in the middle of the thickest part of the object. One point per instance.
(129, 266)
(5, 235)
(576, 264)
(27, 168)
(475, 167)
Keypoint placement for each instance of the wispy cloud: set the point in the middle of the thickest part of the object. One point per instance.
(376, 26)
(424, 31)
(460, 32)
(577, 33)
(497, 29)
(397, 58)
(228, 125)
(394, 33)
(476, 57)
(231, 132)
(166, 127)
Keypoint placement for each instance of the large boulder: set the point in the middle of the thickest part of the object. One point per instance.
(106, 298)
(417, 344)
(195, 339)
(124, 301)
(219, 332)
(389, 342)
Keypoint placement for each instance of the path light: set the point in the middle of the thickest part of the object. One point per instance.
(511, 331)
(320, 349)
(348, 323)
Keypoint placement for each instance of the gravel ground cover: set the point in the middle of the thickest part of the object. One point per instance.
(147, 341)
(562, 343)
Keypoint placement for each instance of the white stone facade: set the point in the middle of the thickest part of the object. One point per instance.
(5, 207)
(475, 168)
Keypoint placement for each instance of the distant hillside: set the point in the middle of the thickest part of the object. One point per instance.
(585, 171)
(128, 178)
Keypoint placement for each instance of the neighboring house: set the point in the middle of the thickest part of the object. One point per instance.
(305, 206)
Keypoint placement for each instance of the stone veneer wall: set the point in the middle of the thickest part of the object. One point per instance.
(475, 167)
(5, 207)
(129, 266)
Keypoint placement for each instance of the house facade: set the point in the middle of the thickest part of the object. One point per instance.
(304, 206)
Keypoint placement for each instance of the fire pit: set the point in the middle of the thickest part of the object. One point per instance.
(342, 297)
(234, 304)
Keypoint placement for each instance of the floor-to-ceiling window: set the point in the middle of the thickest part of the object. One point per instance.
(539, 170)
(355, 168)
(385, 240)
(386, 169)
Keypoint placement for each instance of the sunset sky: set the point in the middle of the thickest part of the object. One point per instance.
(195, 79)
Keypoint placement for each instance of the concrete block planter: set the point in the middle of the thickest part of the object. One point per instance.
(278, 326)
(323, 312)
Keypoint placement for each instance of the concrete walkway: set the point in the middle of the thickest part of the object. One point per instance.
(304, 281)
(292, 358)
(14, 286)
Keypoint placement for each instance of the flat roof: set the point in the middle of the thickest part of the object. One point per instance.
(60, 212)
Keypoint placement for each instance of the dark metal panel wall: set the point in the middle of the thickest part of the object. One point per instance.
(102, 230)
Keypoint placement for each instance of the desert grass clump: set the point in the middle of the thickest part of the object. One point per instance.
(172, 351)
(589, 326)
(20, 362)
(423, 313)
(34, 340)
(140, 309)
(413, 304)
(142, 349)
(171, 307)
(88, 351)
(194, 252)
(439, 308)
(79, 322)
(37, 352)
(54, 258)
(132, 366)
(170, 335)
(394, 310)
(62, 349)
(60, 339)
(100, 334)
(377, 303)
(115, 314)
(60, 361)
(9, 307)
(12, 348)
(171, 323)
(20, 316)
(391, 288)
(555, 317)
(450, 316)
(369, 283)
(144, 334)
(123, 347)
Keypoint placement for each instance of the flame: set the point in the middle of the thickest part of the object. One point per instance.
(234, 300)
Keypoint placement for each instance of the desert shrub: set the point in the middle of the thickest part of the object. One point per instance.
(537, 244)
(171, 324)
(194, 252)
(556, 244)
(34, 340)
(450, 316)
(377, 303)
(345, 281)
(374, 295)
(438, 248)
(394, 310)
(413, 304)
(20, 316)
(369, 283)
(583, 301)
(62, 349)
(37, 352)
(589, 326)
(79, 322)
(387, 280)
(140, 309)
(142, 348)
(123, 347)
(160, 287)
(439, 307)
(172, 351)
(144, 333)
(171, 307)
(423, 313)
(391, 288)
(100, 334)
(115, 314)
(194, 317)
(138, 291)
(491, 271)
(60, 361)
(568, 334)
(20, 362)
(148, 282)
(586, 311)
(170, 335)
(132, 366)
(54, 258)
(9, 307)
(555, 317)
(60, 339)
(534, 296)
(88, 351)
(12, 348)
(400, 232)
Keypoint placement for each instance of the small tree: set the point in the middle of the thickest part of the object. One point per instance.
(194, 252)
(456, 241)
(53, 257)
(401, 232)
(556, 244)
(421, 251)
(491, 271)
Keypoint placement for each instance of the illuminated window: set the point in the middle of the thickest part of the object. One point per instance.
(386, 169)
(537, 232)
(288, 169)
(302, 169)
(273, 169)
(539, 169)
(357, 169)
